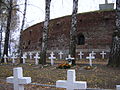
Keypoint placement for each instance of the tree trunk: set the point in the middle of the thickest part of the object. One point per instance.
(114, 57)
(1, 41)
(20, 39)
(72, 48)
(45, 33)
(7, 33)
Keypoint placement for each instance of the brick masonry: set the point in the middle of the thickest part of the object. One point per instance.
(96, 27)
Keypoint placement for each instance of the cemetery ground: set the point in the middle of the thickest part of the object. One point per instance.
(101, 76)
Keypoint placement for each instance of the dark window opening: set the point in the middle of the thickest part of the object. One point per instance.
(30, 32)
(29, 42)
(80, 39)
(80, 20)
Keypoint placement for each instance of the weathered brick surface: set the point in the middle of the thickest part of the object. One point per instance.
(97, 28)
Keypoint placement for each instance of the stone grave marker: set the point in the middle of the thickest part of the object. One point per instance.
(71, 83)
(69, 59)
(18, 80)
(60, 53)
(80, 54)
(24, 57)
(36, 58)
(90, 59)
(52, 59)
(103, 54)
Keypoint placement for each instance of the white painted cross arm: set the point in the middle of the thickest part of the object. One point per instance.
(52, 59)
(103, 54)
(80, 54)
(24, 57)
(90, 59)
(69, 58)
(70, 83)
(93, 53)
(30, 54)
(18, 80)
(36, 59)
(60, 54)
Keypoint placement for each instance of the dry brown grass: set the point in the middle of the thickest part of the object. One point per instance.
(99, 77)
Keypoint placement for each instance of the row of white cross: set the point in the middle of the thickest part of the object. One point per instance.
(80, 54)
(70, 84)
(69, 58)
(23, 57)
(93, 54)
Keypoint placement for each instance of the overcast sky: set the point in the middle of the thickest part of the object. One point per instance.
(36, 9)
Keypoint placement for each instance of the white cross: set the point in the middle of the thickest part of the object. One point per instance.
(70, 59)
(37, 53)
(60, 54)
(52, 54)
(106, 1)
(5, 58)
(13, 58)
(70, 83)
(90, 58)
(24, 57)
(18, 80)
(52, 59)
(117, 87)
(30, 54)
(25, 53)
(36, 58)
(103, 54)
(80, 54)
(93, 53)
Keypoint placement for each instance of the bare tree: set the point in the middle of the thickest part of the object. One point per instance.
(7, 33)
(114, 57)
(45, 32)
(1, 41)
(8, 12)
(20, 39)
(72, 48)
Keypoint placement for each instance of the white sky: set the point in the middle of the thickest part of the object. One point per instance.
(36, 9)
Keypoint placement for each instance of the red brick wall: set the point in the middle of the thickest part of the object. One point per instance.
(97, 28)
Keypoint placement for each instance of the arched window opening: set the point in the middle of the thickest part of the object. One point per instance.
(80, 39)
(29, 42)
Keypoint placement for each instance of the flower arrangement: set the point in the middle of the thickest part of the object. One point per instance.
(88, 67)
(64, 66)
